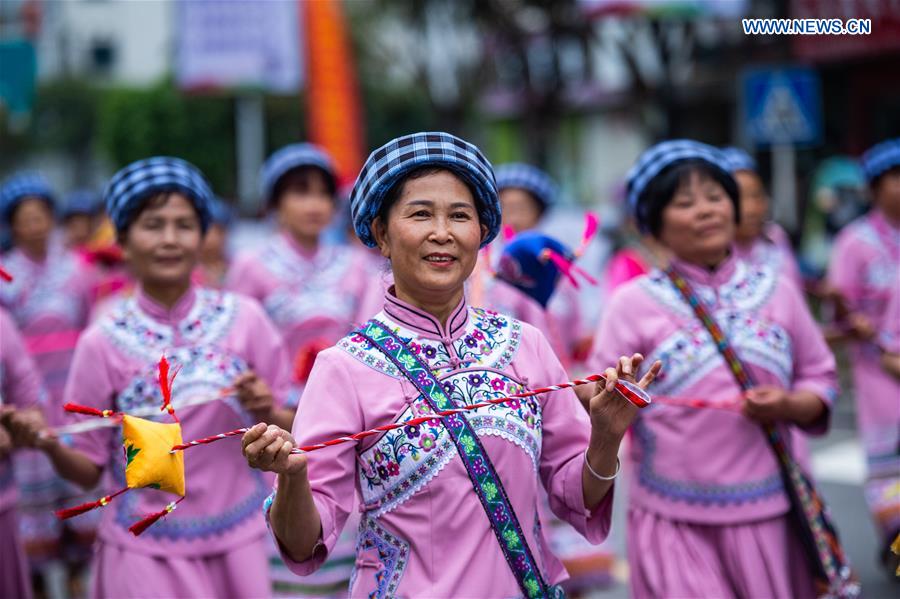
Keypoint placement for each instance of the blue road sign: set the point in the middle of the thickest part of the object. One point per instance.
(782, 106)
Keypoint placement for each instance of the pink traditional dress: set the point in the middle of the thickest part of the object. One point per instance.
(214, 543)
(708, 512)
(50, 302)
(864, 269)
(20, 386)
(313, 298)
(423, 530)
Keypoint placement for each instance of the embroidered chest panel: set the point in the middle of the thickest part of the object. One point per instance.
(203, 372)
(307, 287)
(689, 353)
(404, 460)
(42, 292)
(880, 273)
(490, 340)
(207, 323)
(471, 369)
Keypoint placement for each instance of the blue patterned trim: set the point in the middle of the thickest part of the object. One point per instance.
(188, 529)
(705, 494)
(393, 553)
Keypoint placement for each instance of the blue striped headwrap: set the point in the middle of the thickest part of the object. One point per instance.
(81, 201)
(387, 165)
(220, 213)
(661, 156)
(531, 179)
(20, 186)
(149, 176)
(290, 157)
(738, 160)
(880, 158)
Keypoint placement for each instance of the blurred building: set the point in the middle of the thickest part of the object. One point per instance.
(107, 41)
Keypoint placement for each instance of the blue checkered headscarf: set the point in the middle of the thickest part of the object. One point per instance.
(531, 179)
(81, 201)
(387, 166)
(659, 157)
(220, 213)
(738, 160)
(880, 158)
(160, 174)
(20, 186)
(290, 157)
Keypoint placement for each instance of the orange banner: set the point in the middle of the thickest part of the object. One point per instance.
(333, 101)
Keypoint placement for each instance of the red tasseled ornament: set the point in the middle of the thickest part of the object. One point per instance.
(138, 527)
(86, 507)
(79, 409)
(165, 386)
(5, 275)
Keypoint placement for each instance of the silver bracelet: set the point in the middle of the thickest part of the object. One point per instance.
(598, 476)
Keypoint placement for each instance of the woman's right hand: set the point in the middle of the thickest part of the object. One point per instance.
(268, 448)
(28, 428)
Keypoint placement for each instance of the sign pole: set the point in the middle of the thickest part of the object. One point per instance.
(784, 186)
(251, 144)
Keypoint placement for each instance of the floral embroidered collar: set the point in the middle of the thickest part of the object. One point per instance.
(424, 323)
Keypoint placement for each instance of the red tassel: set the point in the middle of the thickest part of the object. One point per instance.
(590, 229)
(138, 527)
(165, 386)
(508, 233)
(86, 507)
(564, 266)
(79, 409)
(5, 275)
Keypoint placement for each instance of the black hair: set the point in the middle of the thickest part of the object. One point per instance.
(153, 200)
(394, 193)
(300, 178)
(663, 187)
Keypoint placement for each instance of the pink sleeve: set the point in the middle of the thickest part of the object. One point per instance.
(779, 237)
(242, 278)
(21, 381)
(566, 433)
(266, 352)
(329, 408)
(89, 384)
(845, 270)
(617, 334)
(814, 365)
(890, 333)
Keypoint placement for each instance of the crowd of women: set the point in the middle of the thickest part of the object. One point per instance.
(301, 341)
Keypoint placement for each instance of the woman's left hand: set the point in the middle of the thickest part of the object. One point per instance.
(767, 403)
(255, 396)
(611, 413)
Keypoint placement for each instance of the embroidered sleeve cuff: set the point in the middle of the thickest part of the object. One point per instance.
(594, 524)
(828, 394)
